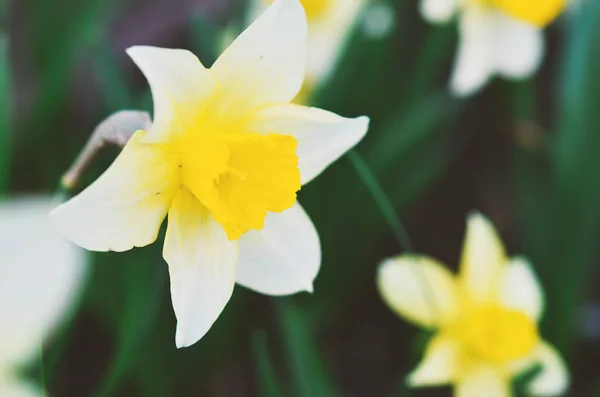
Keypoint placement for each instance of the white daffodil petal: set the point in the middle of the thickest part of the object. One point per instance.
(266, 63)
(40, 273)
(419, 289)
(474, 64)
(518, 47)
(201, 265)
(283, 258)
(440, 365)
(181, 87)
(439, 11)
(520, 289)
(322, 136)
(482, 381)
(492, 42)
(553, 380)
(483, 259)
(125, 206)
(326, 37)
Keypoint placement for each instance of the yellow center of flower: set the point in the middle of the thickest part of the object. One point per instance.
(537, 12)
(498, 335)
(239, 176)
(314, 8)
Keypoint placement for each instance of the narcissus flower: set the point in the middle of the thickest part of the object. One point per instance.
(496, 37)
(485, 319)
(40, 275)
(225, 157)
(329, 24)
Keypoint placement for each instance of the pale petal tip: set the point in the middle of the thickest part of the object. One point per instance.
(134, 50)
(140, 51)
(437, 12)
(416, 379)
(299, 8)
(461, 91)
(383, 272)
(462, 87)
(475, 216)
(363, 123)
(310, 288)
(182, 340)
(385, 265)
(412, 379)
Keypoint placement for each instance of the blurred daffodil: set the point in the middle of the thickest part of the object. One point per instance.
(40, 273)
(485, 318)
(496, 37)
(224, 157)
(329, 24)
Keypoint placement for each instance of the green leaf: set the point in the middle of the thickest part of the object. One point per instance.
(267, 376)
(310, 375)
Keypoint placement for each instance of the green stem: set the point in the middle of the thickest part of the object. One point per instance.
(381, 199)
(389, 213)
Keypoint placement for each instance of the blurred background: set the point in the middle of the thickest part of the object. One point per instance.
(526, 154)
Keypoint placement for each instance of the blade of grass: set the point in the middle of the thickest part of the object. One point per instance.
(310, 375)
(267, 376)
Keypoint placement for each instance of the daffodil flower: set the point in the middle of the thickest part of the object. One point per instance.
(40, 275)
(485, 319)
(224, 157)
(496, 37)
(329, 24)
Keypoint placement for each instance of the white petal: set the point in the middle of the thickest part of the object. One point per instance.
(518, 47)
(482, 381)
(483, 259)
(283, 258)
(440, 365)
(474, 64)
(492, 42)
(40, 274)
(323, 137)
(266, 63)
(201, 265)
(181, 87)
(520, 289)
(553, 380)
(438, 10)
(327, 35)
(125, 206)
(419, 289)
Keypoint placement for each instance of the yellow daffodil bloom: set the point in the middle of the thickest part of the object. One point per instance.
(329, 24)
(40, 274)
(496, 37)
(225, 157)
(485, 319)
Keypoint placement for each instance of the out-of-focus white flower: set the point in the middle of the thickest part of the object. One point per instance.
(496, 37)
(329, 24)
(485, 319)
(40, 275)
